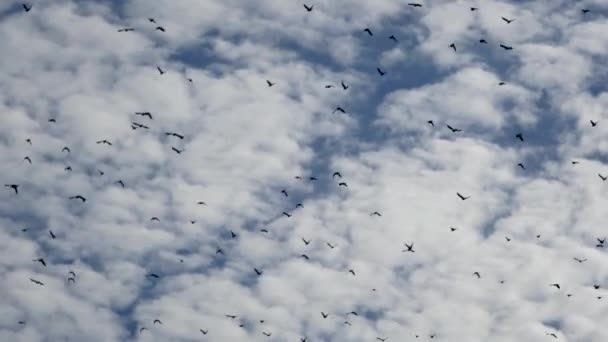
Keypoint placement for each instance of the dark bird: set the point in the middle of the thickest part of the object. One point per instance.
(286, 214)
(343, 184)
(233, 234)
(68, 168)
(521, 165)
(454, 130)
(101, 173)
(66, 149)
(126, 29)
(160, 28)
(474, 9)
(104, 142)
(410, 248)
(574, 162)
(161, 71)
(593, 123)
(453, 229)
(304, 256)
(330, 245)
(348, 323)
(556, 285)
(462, 197)
(157, 321)
(258, 272)
(453, 46)
(585, 11)
(508, 239)
(266, 333)
(231, 316)
(29, 160)
(477, 275)
(339, 109)
(312, 178)
(120, 182)
(344, 86)
(336, 174)
(375, 213)
(38, 282)
(414, 4)
(155, 219)
(204, 331)
(153, 275)
(324, 314)
(305, 242)
(15, 187)
(352, 313)
(501, 83)
(303, 339)
(284, 192)
(52, 120)
(393, 38)
(21, 322)
(29, 141)
(219, 251)
(80, 197)
(601, 241)
(71, 279)
(26, 7)
(520, 137)
(72, 274)
(580, 260)
(40, 260)
(142, 329)
(298, 177)
(382, 73)
(351, 271)
(173, 134)
(201, 203)
(327, 86)
(508, 21)
(430, 122)
(595, 286)
(309, 8)
(148, 114)
(299, 205)
(177, 151)
(551, 334)
(506, 47)
(483, 41)
(368, 31)
(135, 125)
(602, 177)
(270, 84)
(52, 234)
(152, 20)
(381, 339)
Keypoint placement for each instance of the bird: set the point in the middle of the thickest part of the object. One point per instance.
(126, 29)
(593, 123)
(521, 165)
(330, 245)
(585, 11)
(80, 197)
(351, 271)
(601, 241)
(483, 41)
(29, 160)
(474, 9)
(368, 31)
(15, 187)
(508, 239)
(219, 251)
(135, 125)
(304, 256)
(72, 274)
(155, 219)
(73, 280)
(556, 286)
(462, 197)
(142, 329)
(204, 331)
(120, 182)
(233, 234)
(104, 142)
(299, 205)
(454, 130)
(305, 241)
(343, 184)
(153, 275)
(381, 339)
(160, 28)
(328, 86)
(453, 46)
(231, 316)
(551, 334)
(286, 214)
(284, 192)
(382, 73)
(29, 141)
(336, 174)
(52, 120)
(270, 84)
(596, 286)
(501, 83)
(348, 323)
(344, 86)
(66, 149)
(258, 272)
(339, 109)
(161, 71)
(201, 203)
(266, 333)
(477, 275)
(40, 260)
(602, 177)
(520, 137)
(580, 260)
(375, 213)
(325, 315)
(177, 151)
(312, 178)
(430, 122)
(453, 229)
(157, 321)
(410, 248)
(152, 20)
(173, 134)
(38, 282)
(352, 313)
(148, 114)
(303, 339)
(506, 47)
(68, 168)
(309, 8)
(508, 21)
(574, 162)
(26, 7)
(414, 4)
(393, 38)
(52, 234)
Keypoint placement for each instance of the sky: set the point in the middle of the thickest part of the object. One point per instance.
(279, 176)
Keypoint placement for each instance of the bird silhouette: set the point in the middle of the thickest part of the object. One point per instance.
(120, 182)
(580, 260)
(15, 187)
(551, 334)
(153, 275)
(381, 339)
(270, 84)
(585, 11)
(303, 339)
(152, 20)
(173, 134)
(508, 21)
(177, 151)
(233, 234)
(430, 122)
(393, 38)
(41, 260)
(351, 271)
(104, 142)
(52, 234)
(160, 28)
(483, 41)
(26, 7)
(501, 83)
(410, 248)
(454, 130)
(309, 8)
(66, 149)
(325, 315)
(596, 286)
(204, 331)
(126, 29)
(160, 71)
(157, 321)
(266, 333)
(312, 178)
(368, 31)
(508, 239)
(142, 329)
(453, 46)
(135, 125)
(474, 9)
(328, 86)
(414, 4)
(375, 213)
(28, 159)
(148, 114)
(477, 275)
(155, 219)
(339, 109)
(286, 214)
(37, 282)
(258, 272)
(453, 229)
(556, 286)
(382, 73)
(343, 184)
(602, 177)
(304, 256)
(462, 197)
(520, 137)
(506, 47)
(305, 241)
(593, 123)
(330, 245)
(344, 86)
(284, 192)
(68, 168)
(80, 197)
(338, 174)
(231, 316)
(29, 141)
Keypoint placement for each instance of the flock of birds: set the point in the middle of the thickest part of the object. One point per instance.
(409, 247)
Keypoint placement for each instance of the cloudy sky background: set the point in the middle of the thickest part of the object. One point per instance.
(245, 142)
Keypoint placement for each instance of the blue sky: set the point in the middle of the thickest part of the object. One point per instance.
(244, 142)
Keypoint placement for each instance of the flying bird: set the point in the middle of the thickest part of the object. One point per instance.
(593, 123)
(477, 275)
(580, 260)
(233, 234)
(453, 46)
(508, 21)
(521, 165)
(148, 114)
(135, 125)
(556, 286)
(38, 282)
(309, 8)
(343, 184)
(453, 229)
(177, 151)
(284, 192)
(204, 331)
(160, 28)
(474, 9)
(336, 174)
(266, 333)
(15, 187)
(339, 109)
(382, 73)
(286, 214)
(120, 182)
(381, 339)
(304, 256)
(142, 329)
(80, 197)
(157, 321)
(29, 141)
(155, 219)
(258, 272)
(231, 316)
(330, 245)
(351, 271)
(520, 137)
(375, 213)
(104, 142)
(26, 7)
(462, 197)
(173, 134)
(585, 11)
(506, 47)
(602, 177)
(454, 130)
(410, 248)
(601, 241)
(501, 83)
(551, 334)
(414, 4)
(393, 38)
(161, 71)
(66, 149)
(305, 242)
(52, 234)
(430, 122)
(483, 41)
(29, 160)
(68, 168)
(153, 275)
(126, 29)
(312, 178)
(325, 315)
(368, 31)
(40, 260)
(270, 84)
(344, 86)
(152, 20)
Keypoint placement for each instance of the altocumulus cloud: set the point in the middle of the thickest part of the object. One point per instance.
(182, 171)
